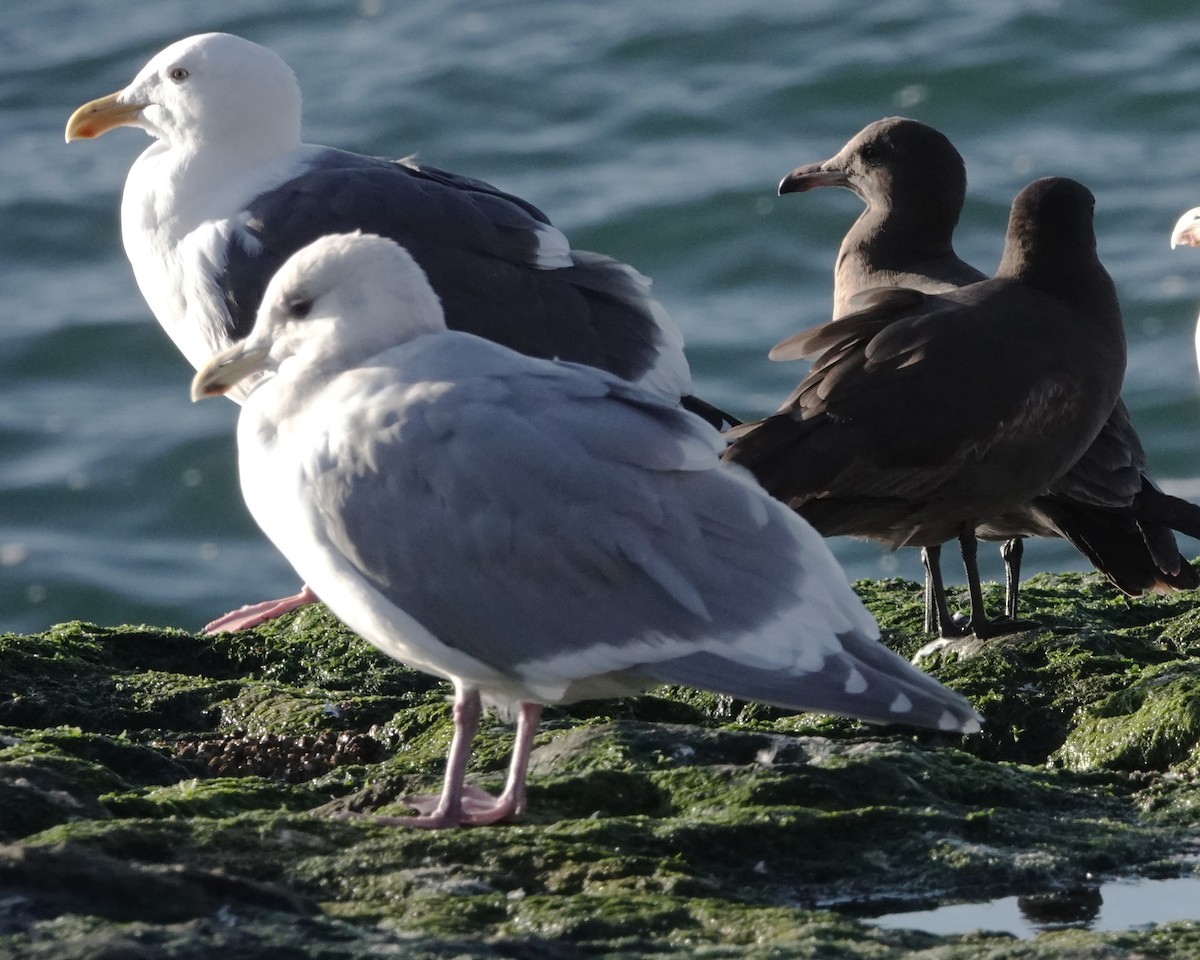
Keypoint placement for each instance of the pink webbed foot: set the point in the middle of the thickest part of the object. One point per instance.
(482, 809)
(253, 614)
(478, 808)
(437, 820)
(460, 803)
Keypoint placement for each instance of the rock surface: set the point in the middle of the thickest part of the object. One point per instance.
(161, 795)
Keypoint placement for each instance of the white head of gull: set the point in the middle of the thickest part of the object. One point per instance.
(531, 530)
(228, 191)
(225, 117)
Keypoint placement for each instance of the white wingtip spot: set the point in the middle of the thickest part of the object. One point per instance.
(901, 704)
(809, 660)
(949, 721)
(855, 682)
(553, 248)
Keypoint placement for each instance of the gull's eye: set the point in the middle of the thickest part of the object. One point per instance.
(178, 74)
(299, 307)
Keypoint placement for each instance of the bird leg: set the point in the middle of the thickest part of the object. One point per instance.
(253, 614)
(510, 805)
(459, 803)
(438, 811)
(970, 552)
(931, 616)
(981, 626)
(1012, 551)
(938, 618)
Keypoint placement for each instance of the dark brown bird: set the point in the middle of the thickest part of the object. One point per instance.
(913, 182)
(923, 415)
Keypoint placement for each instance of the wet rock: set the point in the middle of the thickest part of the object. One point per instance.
(1153, 724)
(46, 881)
(294, 759)
(167, 795)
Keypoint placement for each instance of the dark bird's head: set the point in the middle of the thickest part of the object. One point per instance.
(1051, 238)
(892, 162)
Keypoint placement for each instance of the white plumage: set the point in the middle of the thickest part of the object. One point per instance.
(1186, 233)
(228, 191)
(534, 531)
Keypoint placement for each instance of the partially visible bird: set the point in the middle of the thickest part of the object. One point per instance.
(924, 416)
(1186, 233)
(913, 182)
(534, 531)
(228, 191)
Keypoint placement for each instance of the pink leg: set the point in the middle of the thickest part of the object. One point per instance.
(448, 810)
(460, 803)
(253, 614)
(511, 803)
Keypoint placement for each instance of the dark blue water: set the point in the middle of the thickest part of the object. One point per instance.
(655, 132)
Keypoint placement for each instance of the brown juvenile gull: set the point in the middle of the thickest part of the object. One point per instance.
(228, 191)
(531, 530)
(913, 182)
(925, 414)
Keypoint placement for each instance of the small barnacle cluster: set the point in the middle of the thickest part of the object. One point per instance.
(293, 759)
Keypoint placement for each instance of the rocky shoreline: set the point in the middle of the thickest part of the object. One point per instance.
(161, 795)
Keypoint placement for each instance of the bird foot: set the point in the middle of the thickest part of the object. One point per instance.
(1001, 626)
(479, 809)
(438, 820)
(957, 627)
(253, 614)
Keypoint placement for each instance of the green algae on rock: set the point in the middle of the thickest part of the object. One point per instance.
(1152, 724)
(161, 794)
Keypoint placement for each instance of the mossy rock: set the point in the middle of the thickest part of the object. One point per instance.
(1152, 724)
(164, 794)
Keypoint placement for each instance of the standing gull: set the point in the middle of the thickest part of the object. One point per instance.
(533, 531)
(228, 191)
(897, 434)
(913, 183)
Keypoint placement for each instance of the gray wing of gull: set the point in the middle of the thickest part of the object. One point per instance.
(546, 521)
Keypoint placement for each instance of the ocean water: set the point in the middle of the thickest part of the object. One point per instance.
(654, 132)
